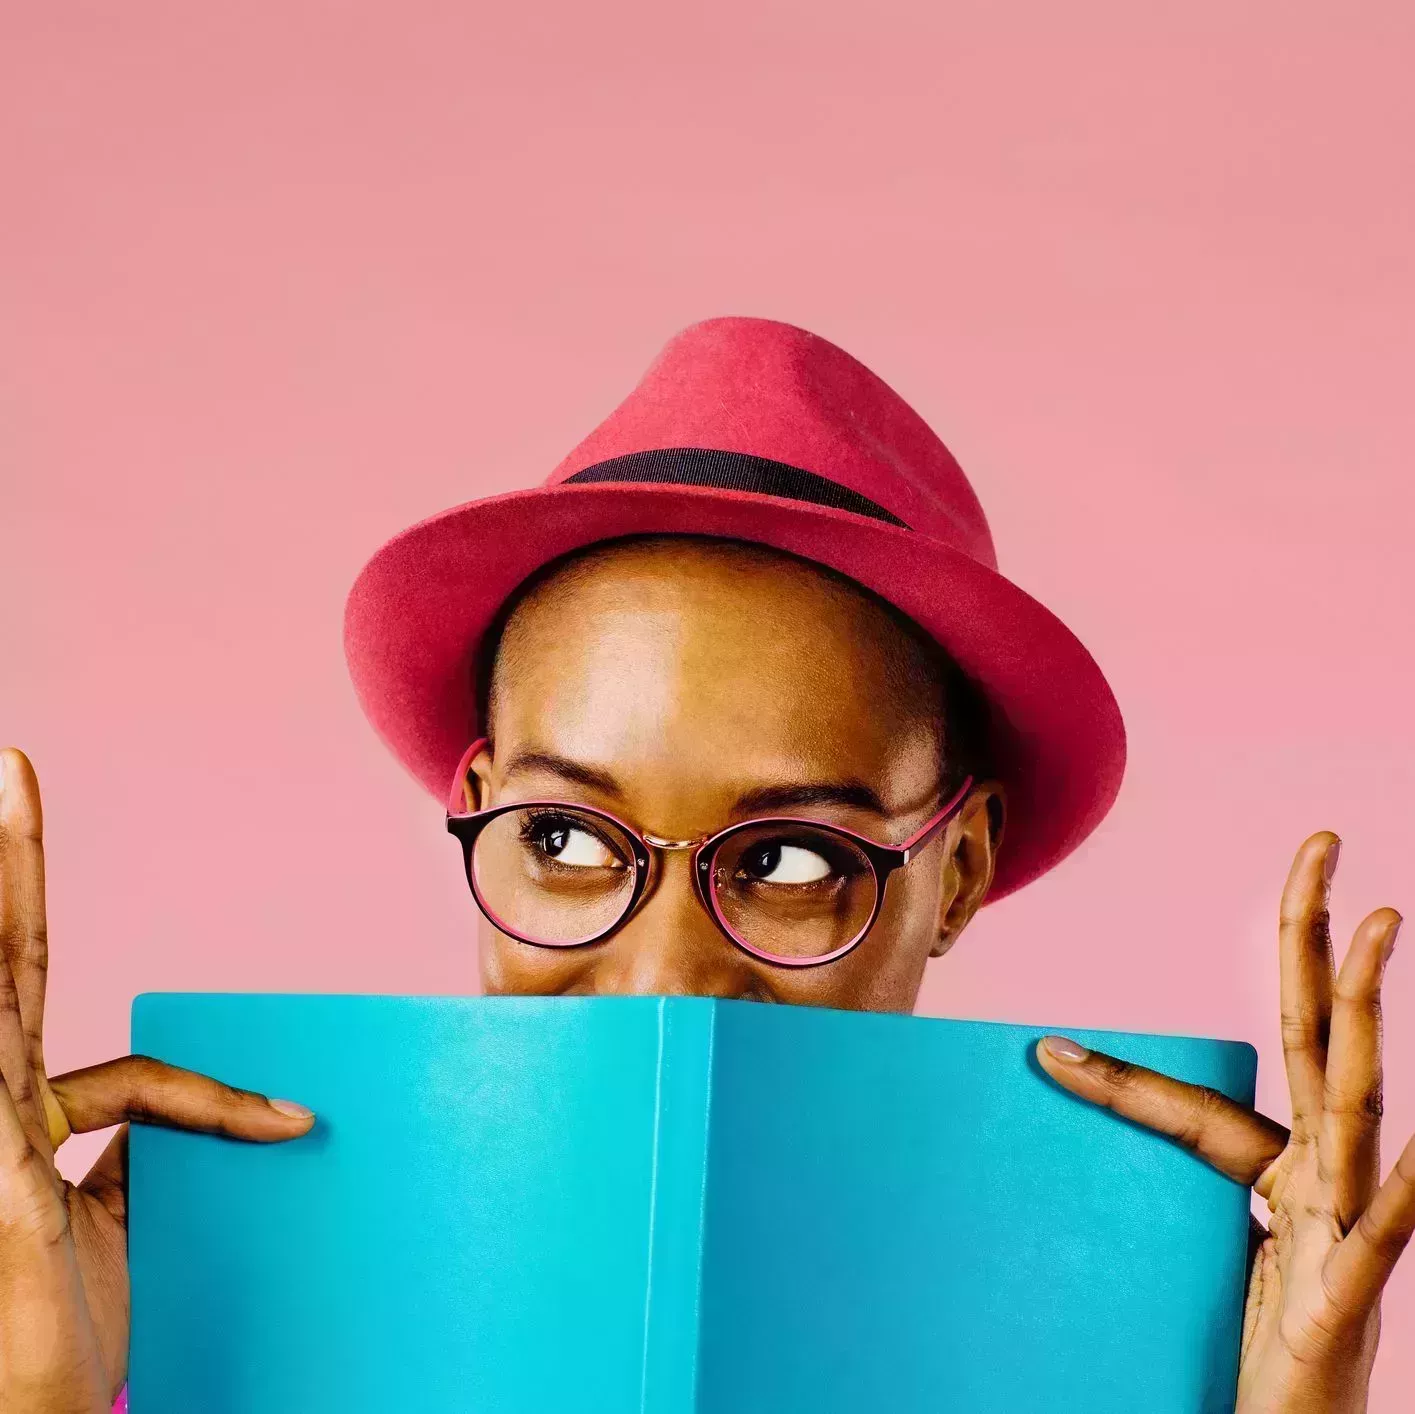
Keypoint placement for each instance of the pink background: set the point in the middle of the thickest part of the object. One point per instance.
(280, 280)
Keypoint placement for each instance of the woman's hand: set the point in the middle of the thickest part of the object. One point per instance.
(1313, 1313)
(63, 1258)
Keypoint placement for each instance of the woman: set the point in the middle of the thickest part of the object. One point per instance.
(761, 589)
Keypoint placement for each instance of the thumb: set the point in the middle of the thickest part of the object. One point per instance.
(153, 1092)
(1234, 1139)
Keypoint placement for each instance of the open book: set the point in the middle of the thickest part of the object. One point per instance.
(672, 1206)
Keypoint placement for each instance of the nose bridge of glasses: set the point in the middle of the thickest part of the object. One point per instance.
(659, 843)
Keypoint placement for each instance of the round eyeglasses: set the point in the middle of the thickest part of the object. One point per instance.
(793, 892)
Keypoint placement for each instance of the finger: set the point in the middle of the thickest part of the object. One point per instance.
(152, 1092)
(1306, 972)
(24, 935)
(1363, 1260)
(1235, 1140)
(1257, 1235)
(1349, 1138)
(106, 1181)
(1262, 1277)
(29, 1187)
(15, 1067)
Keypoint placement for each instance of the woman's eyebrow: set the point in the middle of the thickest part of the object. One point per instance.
(787, 797)
(523, 762)
(762, 800)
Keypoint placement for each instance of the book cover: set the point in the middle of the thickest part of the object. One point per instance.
(672, 1206)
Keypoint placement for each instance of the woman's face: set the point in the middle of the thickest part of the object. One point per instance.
(672, 685)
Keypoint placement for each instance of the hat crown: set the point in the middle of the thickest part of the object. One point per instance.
(766, 389)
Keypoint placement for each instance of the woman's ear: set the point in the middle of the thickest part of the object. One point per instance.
(969, 869)
(476, 784)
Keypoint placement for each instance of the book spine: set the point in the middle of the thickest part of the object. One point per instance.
(673, 1297)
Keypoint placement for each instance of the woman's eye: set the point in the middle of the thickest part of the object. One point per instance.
(578, 848)
(786, 864)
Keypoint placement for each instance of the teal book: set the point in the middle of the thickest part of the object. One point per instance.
(672, 1206)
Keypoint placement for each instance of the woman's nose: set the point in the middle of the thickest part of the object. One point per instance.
(670, 947)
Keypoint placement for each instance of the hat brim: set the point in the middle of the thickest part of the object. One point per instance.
(422, 604)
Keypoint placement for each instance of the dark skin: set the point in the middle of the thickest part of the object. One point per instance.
(723, 718)
(673, 685)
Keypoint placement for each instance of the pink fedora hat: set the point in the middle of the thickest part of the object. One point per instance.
(755, 430)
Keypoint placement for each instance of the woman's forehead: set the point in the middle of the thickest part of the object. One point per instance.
(662, 656)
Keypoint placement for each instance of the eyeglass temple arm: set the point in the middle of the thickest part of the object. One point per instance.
(926, 832)
(457, 800)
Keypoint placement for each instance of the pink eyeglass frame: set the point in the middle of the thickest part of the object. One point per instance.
(884, 859)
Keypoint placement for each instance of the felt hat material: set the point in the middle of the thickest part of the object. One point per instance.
(755, 430)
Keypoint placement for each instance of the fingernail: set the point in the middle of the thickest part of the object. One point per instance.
(1388, 946)
(289, 1107)
(1329, 864)
(1064, 1048)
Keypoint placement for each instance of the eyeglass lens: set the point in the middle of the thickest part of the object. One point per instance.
(559, 876)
